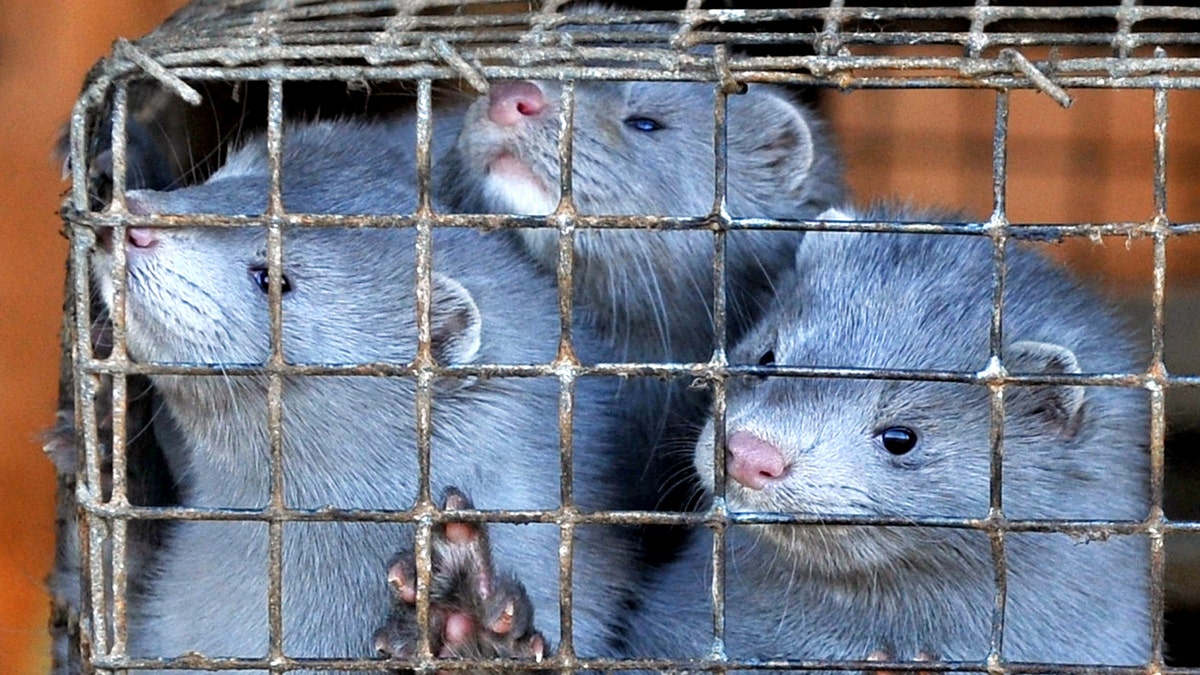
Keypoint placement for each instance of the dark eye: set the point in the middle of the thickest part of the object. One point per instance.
(898, 440)
(767, 359)
(643, 124)
(259, 274)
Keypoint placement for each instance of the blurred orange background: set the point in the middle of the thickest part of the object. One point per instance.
(46, 47)
(1092, 162)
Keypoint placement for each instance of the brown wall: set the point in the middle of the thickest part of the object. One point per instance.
(46, 46)
(1092, 162)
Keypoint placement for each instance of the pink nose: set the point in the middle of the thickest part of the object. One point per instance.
(141, 237)
(511, 102)
(752, 461)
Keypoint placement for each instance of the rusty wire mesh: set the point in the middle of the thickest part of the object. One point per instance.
(437, 42)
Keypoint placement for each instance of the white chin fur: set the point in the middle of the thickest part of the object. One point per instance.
(102, 279)
(521, 197)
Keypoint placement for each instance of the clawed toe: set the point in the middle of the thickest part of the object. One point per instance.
(475, 612)
(402, 577)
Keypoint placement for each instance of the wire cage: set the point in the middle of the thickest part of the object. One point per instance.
(259, 63)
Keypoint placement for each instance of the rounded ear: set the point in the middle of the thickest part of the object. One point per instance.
(770, 144)
(455, 323)
(147, 166)
(1057, 405)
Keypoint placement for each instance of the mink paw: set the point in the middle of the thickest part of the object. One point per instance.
(475, 612)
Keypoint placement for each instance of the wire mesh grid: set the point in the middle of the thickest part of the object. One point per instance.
(435, 42)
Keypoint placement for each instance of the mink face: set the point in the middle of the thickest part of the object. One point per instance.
(910, 449)
(199, 295)
(642, 148)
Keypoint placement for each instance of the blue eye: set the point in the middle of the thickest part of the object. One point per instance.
(643, 124)
(259, 275)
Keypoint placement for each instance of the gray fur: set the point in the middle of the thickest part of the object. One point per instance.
(826, 592)
(651, 292)
(349, 442)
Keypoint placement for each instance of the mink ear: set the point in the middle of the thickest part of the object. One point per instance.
(1058, 405)
(770, 141)
(455, 323)
(147, 165)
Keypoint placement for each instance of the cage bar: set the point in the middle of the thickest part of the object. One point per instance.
(1159, 224)
(996, 391)
(423, 363)
(566, 365)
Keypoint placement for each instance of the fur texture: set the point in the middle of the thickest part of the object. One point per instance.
(195, 296)
(651, 292)
(842, 592)
(646, 149)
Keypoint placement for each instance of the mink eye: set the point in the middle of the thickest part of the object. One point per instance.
(259, 275)
(898, 440)
(767, 359)
(644, 124)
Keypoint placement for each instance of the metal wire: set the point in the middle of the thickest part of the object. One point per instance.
(725, 84)
(432, 43)
(396, 42)
(1156, 381)
(996, 365)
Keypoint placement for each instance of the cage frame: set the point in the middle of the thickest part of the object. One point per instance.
(181, 51)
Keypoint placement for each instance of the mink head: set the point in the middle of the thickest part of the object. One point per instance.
(199, 294)
(910, 449)
(639, 148)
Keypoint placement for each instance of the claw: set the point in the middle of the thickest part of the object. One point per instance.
(390, 644)
(382, 646)
(923, 656)
(504, 624)
(880, 655)
(475, 611)
(883, 655)
(401, 577)
(454, 500)
(458, 533)
(538, 646)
